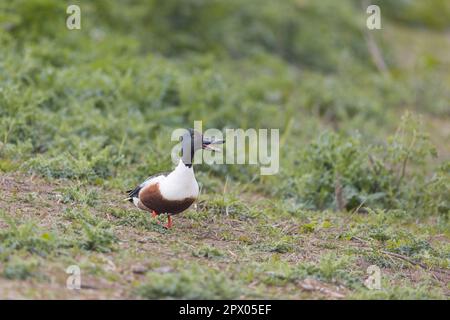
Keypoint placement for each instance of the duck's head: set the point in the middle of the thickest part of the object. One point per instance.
(192, 141)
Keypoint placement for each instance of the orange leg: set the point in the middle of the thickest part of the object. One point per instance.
(154, 214)
(169, 222)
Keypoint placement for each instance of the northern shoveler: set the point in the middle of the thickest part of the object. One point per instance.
(173, 192)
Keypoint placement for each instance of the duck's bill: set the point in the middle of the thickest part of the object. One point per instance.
(208, 144)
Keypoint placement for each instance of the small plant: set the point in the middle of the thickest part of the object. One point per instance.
(26, 236)
(96, 233)
(228, 206)
(342, 173)
(434, 198)
(136, 219)
(18, 269)
(409, 246)
(283, 245)
(208, 252)
(97, 238)
(194, 282)
(403, 291)
(308, 227)
(76, 194)
(330, 268)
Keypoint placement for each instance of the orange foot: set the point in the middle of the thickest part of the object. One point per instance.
(169, 222)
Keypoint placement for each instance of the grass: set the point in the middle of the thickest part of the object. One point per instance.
(364, 164)
(119, 249)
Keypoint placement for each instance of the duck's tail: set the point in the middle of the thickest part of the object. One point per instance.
(132, 194)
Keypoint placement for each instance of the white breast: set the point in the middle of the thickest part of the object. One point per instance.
(179, 184)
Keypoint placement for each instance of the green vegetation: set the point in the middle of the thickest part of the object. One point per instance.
(364, 160)
(193, 283)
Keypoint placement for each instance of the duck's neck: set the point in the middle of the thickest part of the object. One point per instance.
(183, 168)
(179, 184)
(187, 154)
(186, 162)
(182, 173)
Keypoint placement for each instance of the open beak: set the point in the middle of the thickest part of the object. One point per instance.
(208, 144)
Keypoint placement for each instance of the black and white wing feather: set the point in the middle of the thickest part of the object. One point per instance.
(134, 193)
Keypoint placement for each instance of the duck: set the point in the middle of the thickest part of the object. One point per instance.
(173, 192)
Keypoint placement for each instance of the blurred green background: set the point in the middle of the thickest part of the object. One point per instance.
(98, 104)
